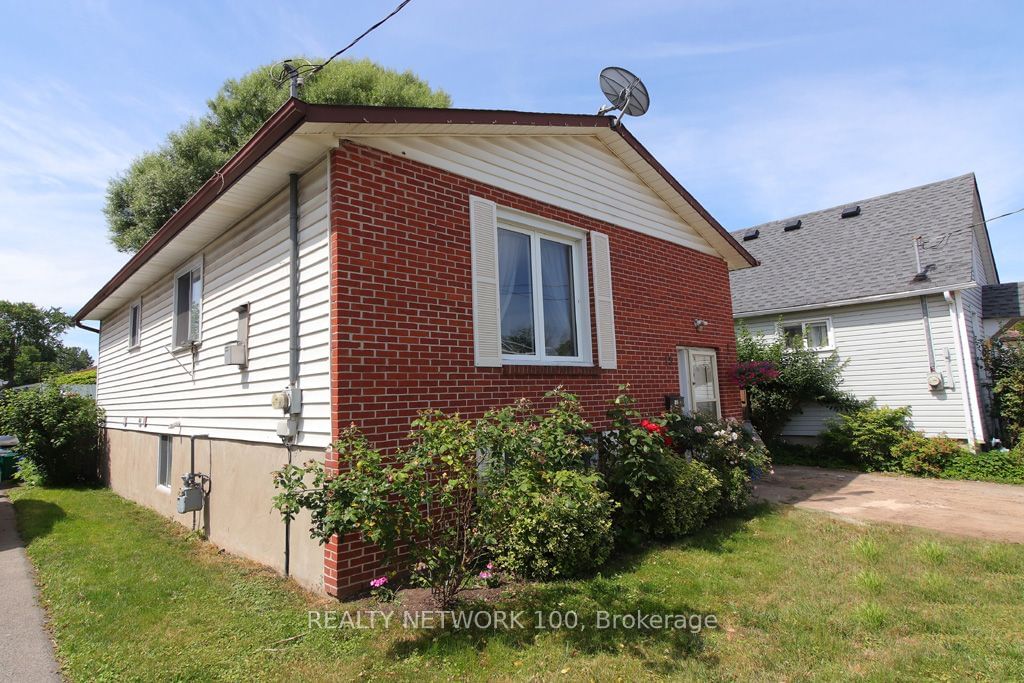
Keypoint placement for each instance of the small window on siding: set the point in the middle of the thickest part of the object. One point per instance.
(163, 462)
(188, 305)
(811, 334)
(135, 325)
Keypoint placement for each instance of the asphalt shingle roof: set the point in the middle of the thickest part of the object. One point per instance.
(1003, 301)
(831, 259)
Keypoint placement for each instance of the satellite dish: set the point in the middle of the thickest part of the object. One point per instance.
(624, 91)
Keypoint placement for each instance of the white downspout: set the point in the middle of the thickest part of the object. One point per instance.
(962, 345)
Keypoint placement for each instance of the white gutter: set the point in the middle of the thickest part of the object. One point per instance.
(972, 412)
(850, 302)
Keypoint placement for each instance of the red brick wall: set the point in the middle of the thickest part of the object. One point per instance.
(402, 318)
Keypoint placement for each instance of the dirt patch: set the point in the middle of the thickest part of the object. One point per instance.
(964, 508)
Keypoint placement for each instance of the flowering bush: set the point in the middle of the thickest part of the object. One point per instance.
(867, 436)
(754, 372)
(635, 462)
(422, 500)
(381, 591)
(727, 449)
(804, 377)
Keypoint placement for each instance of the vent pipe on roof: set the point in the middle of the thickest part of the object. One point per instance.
(751, 235)
(793, 225)
(851, 211)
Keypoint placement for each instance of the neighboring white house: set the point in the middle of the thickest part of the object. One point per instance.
(895, 286)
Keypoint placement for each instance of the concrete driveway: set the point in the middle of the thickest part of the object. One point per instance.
(965, 508)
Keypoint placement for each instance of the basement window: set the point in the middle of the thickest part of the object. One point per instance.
(163, 462)
(188, 305)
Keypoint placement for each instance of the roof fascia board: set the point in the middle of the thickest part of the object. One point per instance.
(294, 113)
(851, 302)
(277, 128)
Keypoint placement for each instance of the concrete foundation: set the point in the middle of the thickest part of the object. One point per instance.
(238, 515)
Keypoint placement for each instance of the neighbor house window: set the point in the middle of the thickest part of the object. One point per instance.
(542, 294)
(812, 334)
(188, 301)
(163, 462)
(135, 325)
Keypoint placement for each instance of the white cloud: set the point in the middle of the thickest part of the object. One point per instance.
(56, 155)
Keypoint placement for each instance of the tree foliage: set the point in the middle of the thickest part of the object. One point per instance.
(1005, 365)
(804, 377)
(59, 435)
(30, 346)
(158, 183)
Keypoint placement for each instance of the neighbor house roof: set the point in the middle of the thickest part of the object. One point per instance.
(830, 260)
(298, 134)
(1003, 301)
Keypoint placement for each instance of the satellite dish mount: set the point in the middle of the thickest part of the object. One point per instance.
(625, 92)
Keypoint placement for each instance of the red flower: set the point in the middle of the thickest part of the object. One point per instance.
(657, 429)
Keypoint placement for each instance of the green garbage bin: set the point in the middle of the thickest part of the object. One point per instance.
(8, 463)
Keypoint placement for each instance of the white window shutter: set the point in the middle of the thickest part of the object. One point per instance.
(600, 258)
(483, 227)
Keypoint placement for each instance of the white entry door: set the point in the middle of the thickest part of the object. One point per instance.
(698, 381)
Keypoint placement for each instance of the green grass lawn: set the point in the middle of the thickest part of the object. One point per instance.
(799, 596)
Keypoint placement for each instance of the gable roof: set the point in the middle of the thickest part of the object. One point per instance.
(830, 259)
(298, 134)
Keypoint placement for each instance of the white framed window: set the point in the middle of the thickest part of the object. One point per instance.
(135, 324)
(813, 334)
(163, 461)
(698, 381)
(543, 303)
(188, 304)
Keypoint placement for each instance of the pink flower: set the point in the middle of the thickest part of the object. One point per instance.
(698, 429)
(490, 566)
(378, 582)
(485, 574)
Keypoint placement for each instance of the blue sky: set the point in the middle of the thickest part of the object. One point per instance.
(761, 109)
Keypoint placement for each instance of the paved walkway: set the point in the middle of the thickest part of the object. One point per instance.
(965, 508)
(26, 653)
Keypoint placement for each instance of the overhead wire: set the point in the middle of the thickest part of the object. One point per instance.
(309, 69)
(942, 239)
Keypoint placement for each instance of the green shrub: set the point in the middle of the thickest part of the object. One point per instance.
(421, 501)
(867, 436)
(79, 377)
(59, 434)
(731, 452)
(636, 461)
(924, 456)
(804, 377)
(687, 504)
(1005, 365)
(1000, 466)
(555, 525)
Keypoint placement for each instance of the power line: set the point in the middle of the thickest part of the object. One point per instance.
(310, 69)
(941, 240)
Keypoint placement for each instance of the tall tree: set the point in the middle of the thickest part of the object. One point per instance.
(30, 345)
(158, 183)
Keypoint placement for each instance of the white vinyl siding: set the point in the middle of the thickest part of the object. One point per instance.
(248, 264)
(572, 172)
(888, 359)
